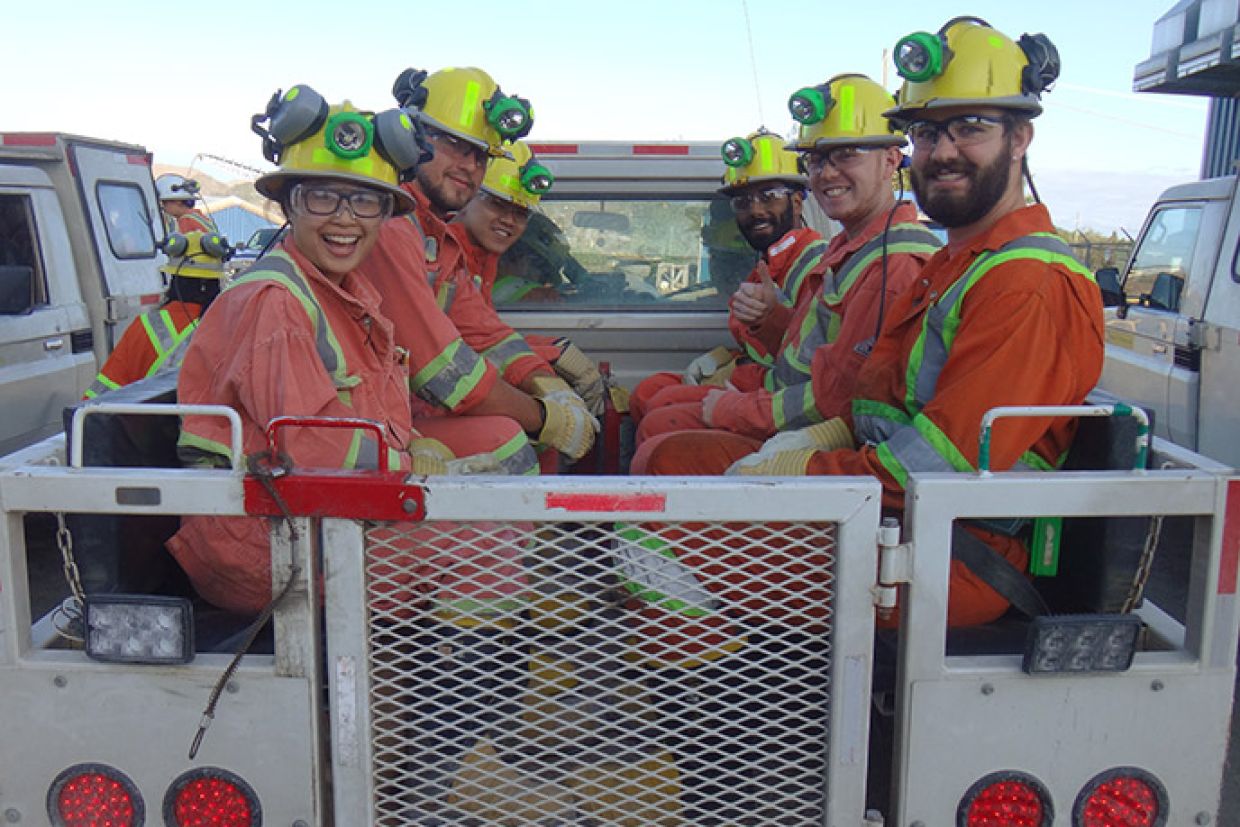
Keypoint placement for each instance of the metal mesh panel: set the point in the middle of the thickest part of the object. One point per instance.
(599, 673)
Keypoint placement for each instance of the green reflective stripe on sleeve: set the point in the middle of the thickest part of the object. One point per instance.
(517, 457)
(942, 446)
(362, 453)
(102, 384)
(450, 376)
(806, 261)
(507, 351)
(756, 356)
(478, 608)
(893, 466)
(1037, 463)
(794, 407)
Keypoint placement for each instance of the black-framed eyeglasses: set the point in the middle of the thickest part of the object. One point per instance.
(746, 201)
(839, 157)
(962, 130)
(458, 147)
(363, 203)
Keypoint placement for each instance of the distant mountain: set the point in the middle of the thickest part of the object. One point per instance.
(213, 187)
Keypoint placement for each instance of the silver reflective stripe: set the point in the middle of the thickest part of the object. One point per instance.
(793, 407)
(806, 260)
(943, 317)
(449, 377)
(508, 350)
(914, 452)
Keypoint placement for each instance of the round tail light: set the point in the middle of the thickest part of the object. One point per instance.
(211, 797)
(88, 794)
(1122, 797)
(1005, 799)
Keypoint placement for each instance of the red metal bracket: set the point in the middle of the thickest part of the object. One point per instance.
(358, 495)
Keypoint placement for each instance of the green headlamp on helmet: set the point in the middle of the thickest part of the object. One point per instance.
(737, 152)
(512, 117)
(810, 104)
(921, 56)
(536, 179)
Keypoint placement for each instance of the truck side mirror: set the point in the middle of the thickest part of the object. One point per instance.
(1108, 282)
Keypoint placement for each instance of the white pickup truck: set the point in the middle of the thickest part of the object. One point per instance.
(1173, 319)
(1113, 711)
(78, 226)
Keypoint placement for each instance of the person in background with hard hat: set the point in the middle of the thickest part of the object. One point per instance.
(766, 191)
(177, 197)
(1003, 315)
(157, 340)
(466, 117)
(489, 225)
(851, 154)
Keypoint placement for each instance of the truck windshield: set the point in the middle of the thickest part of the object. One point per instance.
(1160, 264)
(626, 254)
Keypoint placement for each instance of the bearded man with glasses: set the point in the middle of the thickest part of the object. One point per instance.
(1003, 315)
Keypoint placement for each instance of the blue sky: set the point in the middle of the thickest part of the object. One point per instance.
(183, 80)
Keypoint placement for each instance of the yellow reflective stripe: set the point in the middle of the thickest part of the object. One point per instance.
(847, 103)
(766, 160)
(469, 104)
(204, 445)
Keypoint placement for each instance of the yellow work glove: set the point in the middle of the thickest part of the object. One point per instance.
(568, 426)
(429, 456)
(825, 436)
(788, 454)
(703, 369)
(582, 374)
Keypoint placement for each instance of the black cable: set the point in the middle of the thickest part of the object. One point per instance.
(882, 293)
(1024, 168)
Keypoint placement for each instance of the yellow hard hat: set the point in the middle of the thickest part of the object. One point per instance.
(465, 102)
(969, 63)
(757, 158)
(197, 255)
(310, 139)
(847, 110)
(519, 179)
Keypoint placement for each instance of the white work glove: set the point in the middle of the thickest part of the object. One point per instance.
(787, 454)
(707, 365)
(567, 424)
(580, 371)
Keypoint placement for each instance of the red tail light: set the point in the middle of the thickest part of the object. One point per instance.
(1124, 797)
(1005, 799)
(86, 795)
(211, 797)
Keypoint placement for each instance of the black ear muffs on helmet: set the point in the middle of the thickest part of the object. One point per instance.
(399, 138)
(1043, 68)
(216, 246)
(408, 89)
(175, 245)
(291, 116)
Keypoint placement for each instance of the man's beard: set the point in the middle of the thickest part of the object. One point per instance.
(780, 226)
(987, 186)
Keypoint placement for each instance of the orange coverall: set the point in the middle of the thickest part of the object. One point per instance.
(759, 343)
(135, 353)
(747, 418)
(1031, 333)
(255, 351)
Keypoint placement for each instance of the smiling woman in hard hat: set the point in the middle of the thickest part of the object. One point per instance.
(301, 332)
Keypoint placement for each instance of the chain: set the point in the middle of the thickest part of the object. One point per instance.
(64, 540)
(1146, 564)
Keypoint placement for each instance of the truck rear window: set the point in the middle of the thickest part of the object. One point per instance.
(126, 220)
(625, 254)
(22, 285)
